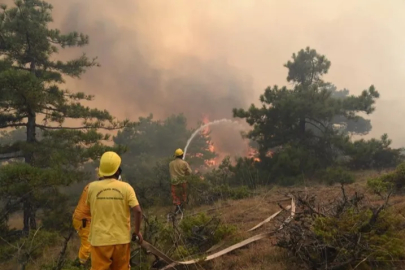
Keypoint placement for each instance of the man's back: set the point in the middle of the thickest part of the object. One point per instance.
(109, 202)
(178, 169)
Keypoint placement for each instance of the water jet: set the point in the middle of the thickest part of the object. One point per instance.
(216, 122)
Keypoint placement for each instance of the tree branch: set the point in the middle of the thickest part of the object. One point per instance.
(319, 122)
(13, 125)
(323, 131)
(21, 68)
(43, 127)
(18, 154)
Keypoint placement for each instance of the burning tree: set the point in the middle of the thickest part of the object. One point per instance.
(205, 134)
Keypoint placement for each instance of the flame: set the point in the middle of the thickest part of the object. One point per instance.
(253, 153)
(211, 148)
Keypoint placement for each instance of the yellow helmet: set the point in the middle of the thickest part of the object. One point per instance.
(178, 152)
(109, 164)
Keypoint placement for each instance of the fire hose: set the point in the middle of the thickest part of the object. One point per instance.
(172, 263)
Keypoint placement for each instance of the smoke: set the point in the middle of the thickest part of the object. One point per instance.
(143, 70)
(201, 57)
(141, 74)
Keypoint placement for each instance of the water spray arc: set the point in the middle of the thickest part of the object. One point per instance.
(204, 126)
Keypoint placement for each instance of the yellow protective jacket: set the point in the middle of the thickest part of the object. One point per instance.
(179, 169)
(82, 210)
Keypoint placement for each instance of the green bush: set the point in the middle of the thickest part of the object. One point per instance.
(192, 236)
(288, 181)
(400, 176)
(337, 175)
(245, 172)
(201, 231)
(373, 154)
(346, 232)
(379, 185)
(380, 243)
(235, 193)
(394, 180)
(203, 191)
(239, 193)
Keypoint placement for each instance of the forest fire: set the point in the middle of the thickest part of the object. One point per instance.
(211, 148)
(251, 152)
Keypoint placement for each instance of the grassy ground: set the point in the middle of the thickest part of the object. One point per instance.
(245, 214)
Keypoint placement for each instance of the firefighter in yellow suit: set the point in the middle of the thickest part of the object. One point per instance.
(111, 202)
(81, 223)
(179, 170)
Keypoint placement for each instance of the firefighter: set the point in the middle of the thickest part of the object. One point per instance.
(111, 201)
(179, 170)
(81, 223)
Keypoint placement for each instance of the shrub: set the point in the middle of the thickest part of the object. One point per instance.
(379, 185)
(382, 239)
(244, 172)
(344, 233)
(192, 236)
(200, 232)
(373, 154)
(337, 175)
(393, 181)
(202, 191)
(235, 193)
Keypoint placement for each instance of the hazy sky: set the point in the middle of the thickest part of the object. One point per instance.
(208, 56)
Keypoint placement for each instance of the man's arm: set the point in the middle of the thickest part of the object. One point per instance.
(187, 169)
(138, 219)
(136, 209)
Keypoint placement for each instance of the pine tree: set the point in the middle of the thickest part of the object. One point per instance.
(304, 121)
(32, 98)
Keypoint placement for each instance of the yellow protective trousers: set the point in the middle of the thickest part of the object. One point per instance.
(114, 257)
(85, 247)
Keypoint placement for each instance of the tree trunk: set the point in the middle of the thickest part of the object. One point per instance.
(28, 206)
(302, 127)
(30, 222)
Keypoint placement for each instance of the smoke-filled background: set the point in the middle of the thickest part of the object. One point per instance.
(205, 57)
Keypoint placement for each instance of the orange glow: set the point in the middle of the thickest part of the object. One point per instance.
(269, 154)
(253, 153)
(211, 148)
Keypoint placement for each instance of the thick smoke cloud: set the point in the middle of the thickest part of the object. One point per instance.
(204, 57)
(141, 76)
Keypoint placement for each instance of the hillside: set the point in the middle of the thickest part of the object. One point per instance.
(243, 214)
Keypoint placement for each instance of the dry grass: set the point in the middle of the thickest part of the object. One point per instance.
(245, 214)
(259, 255)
